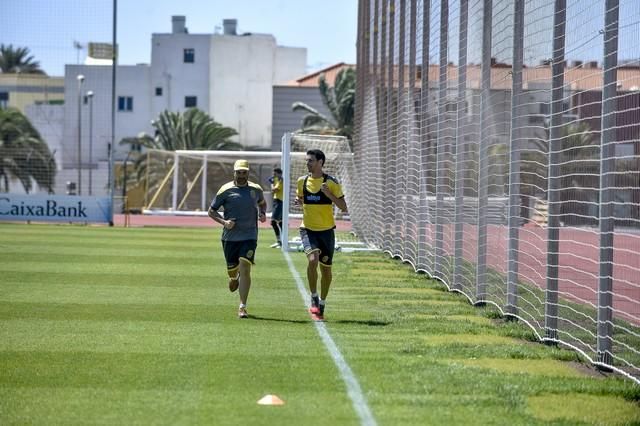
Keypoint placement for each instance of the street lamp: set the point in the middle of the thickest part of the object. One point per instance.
(80, 78)
(90, 99)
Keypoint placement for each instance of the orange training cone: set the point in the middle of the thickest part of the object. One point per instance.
(270, 400)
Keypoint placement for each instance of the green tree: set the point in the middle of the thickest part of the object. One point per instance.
(340, 101)
(193, 129)
(18, 60)
(23, 154)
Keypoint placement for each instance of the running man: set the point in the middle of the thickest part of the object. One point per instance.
(244, 204)
(318, 192)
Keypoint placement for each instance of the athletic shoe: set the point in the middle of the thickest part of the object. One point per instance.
(234, 283)
(242, 313)
(315, 303)
(276, 245)
(319, 316)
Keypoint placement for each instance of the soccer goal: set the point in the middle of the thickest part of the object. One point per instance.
(184, 182)
(339, 164)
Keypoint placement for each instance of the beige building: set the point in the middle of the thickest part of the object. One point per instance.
(20, 90)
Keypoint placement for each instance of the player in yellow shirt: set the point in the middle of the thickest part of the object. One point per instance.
(276, 212)
(318, 192)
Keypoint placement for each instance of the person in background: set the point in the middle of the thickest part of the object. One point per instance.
(276, 212)
(243, 203)
(318, 192)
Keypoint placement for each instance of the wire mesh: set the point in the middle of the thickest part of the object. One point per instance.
(504, 142)
(62, 108)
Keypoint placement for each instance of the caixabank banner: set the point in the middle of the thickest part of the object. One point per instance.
(55, 208)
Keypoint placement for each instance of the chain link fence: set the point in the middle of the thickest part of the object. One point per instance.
(499, 143)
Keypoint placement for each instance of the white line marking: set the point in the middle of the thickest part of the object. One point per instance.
(353, 387)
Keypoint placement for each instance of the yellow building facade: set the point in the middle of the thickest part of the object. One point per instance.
(20, 90)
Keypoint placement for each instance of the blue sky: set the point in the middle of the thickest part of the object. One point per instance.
(49, 27)
(326, 28)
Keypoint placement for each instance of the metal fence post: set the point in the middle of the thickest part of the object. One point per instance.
(423, 213)
(483, 167)
(412, 134)
(399, 150)
(458, 148)
(378, 79)
(553, 184)
(607, 183)
(441, 146)
(388, 16)
(514, 159)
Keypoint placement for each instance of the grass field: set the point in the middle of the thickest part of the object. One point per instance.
(136, 326)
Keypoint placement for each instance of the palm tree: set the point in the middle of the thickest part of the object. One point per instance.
(339, 100)
(23, 154)
(18, 60)
(191, 130)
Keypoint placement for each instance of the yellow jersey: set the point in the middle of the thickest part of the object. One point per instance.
(276, 189)
(317, 208)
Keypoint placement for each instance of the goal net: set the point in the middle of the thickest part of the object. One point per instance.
(185, 182)
(339, 164)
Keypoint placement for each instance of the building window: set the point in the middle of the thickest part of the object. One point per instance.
(190, 101)
(125, 103)
(158, 91)
(189, 56)
(4, 99)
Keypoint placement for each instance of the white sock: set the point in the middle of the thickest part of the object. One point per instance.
(242, 305)
(314, 294)
(322, 302)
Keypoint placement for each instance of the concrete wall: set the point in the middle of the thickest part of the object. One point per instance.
(284, 119)
(177, 78)
(133, 81)
(290, 63)
(243, 69)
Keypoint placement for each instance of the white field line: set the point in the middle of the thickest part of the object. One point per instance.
(353, 387)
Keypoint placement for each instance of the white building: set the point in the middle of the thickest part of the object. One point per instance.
(230, 76)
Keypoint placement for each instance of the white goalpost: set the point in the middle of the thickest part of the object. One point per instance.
(184, 182)
(339, 164)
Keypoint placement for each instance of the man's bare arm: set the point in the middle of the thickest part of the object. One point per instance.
(213, 214)
(341, 203)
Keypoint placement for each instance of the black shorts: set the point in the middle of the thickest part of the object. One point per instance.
(234, 250)
(276, 213)
(322, 241)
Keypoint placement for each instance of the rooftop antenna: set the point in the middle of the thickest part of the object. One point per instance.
(78, 46)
